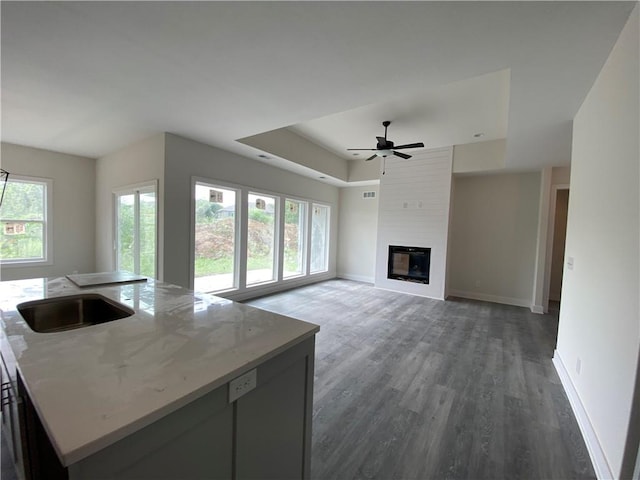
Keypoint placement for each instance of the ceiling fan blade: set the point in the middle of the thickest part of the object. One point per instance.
(371, 158)
(410, 145)
(402, 155)
(371, 149)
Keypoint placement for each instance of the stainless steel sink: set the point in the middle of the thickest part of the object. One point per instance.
(74, 311)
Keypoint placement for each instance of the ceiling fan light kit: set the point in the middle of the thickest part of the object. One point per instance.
(386, 148)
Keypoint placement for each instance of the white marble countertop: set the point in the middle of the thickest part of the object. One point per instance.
(95, 385)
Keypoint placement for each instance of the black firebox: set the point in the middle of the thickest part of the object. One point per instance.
(410, 264)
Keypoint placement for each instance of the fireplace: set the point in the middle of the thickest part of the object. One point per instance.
(410, 264)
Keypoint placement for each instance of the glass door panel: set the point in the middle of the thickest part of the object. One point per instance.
(215, 249)
(319, 238)
(148, 215)
(126, 234)
(136, 230)
(261, 236)
(295, 213)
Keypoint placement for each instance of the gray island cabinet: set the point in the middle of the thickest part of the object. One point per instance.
(189, 386)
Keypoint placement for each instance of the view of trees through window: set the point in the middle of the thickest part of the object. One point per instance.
(261, 238)
(136, 231)
(294, 237)
(216, 237)
(23, 216)
(319, 238)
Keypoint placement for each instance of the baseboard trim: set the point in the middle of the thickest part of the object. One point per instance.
(356, 278)
(274, 287)
(537, 309)
(409, 293)
(598, 458)
(518, 302)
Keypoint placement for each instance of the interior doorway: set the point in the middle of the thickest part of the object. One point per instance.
(560, 204)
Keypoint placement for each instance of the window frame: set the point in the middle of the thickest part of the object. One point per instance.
(275, 267)
(306, 238)
(135, 189)
(239, 214)
(47, 222)
(327, 238)
(241, 289)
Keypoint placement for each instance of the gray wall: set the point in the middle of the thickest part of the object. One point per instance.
(358, 229)
(140, 162)
(185, 159)
(493, 237)
(73, 208)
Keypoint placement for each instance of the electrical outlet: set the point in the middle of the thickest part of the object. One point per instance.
(243, 384)
(578, 366)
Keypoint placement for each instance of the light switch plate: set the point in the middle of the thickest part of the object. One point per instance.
(243, 384)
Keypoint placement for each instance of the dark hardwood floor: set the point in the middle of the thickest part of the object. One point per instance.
(412, 388)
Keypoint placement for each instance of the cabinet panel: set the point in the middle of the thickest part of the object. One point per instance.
(265, 434)
(193, 442)
(202, 452)
(270, 427)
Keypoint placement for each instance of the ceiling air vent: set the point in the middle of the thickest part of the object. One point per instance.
(368, 195)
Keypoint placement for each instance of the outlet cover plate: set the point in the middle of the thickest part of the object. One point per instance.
(243, 384)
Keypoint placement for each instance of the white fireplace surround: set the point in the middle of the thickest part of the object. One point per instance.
(414, 206)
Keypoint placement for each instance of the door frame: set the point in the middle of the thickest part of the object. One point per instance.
(135, 189)
(550, 233)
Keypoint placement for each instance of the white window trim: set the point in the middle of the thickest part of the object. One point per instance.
(305, 240)
(241, 289)
(277, 261)
(142, 187)
(48, 230)
(237, 268)
(327, 242)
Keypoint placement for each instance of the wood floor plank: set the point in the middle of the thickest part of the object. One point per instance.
(412, 388)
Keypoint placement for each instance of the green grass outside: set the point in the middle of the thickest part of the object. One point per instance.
(209, 266)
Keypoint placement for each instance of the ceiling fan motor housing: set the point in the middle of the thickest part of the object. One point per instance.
(386, 147)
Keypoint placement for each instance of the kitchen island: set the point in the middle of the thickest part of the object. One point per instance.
(148, 396)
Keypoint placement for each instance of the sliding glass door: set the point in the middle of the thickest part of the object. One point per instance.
(136, 229)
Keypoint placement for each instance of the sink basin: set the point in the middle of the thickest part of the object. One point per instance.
(74, 311)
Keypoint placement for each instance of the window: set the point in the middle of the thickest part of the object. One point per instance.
(215, 236)
(136, 232)
(319, 238)
(25, 237)
(261, 238)
(295, 234)
(277, 239)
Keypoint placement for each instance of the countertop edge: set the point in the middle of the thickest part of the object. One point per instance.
(26, 346)
(98, 444)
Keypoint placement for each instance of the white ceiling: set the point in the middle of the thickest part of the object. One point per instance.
(89, 78)
(439, 116)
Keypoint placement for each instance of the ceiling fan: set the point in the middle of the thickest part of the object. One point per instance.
(385, 147)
